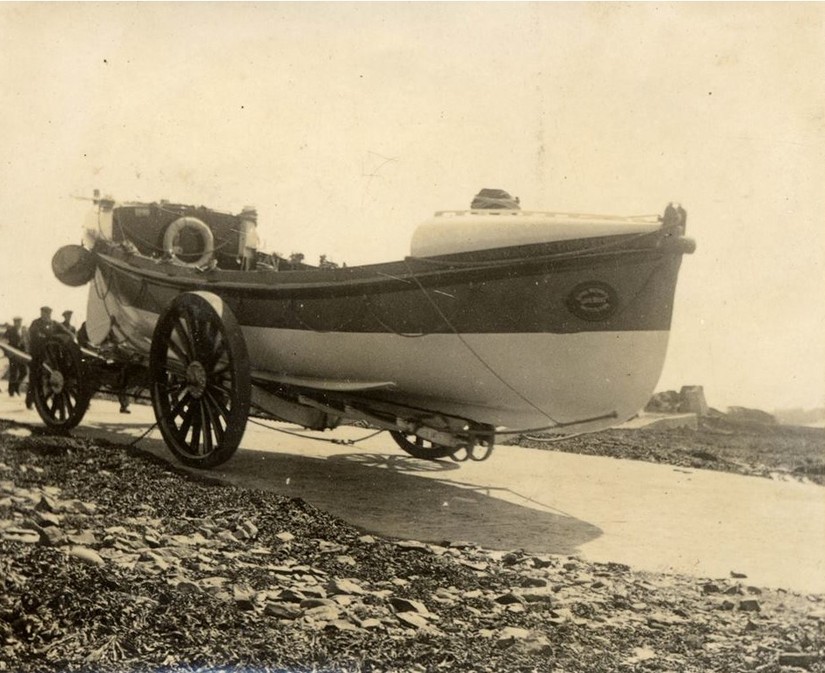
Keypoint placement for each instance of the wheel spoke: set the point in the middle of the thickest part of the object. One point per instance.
(196, 429)
(206, 342)
(215, 384)
(173, 390)
(221, 367)
(187, 422)
(175, 377)
(180, 329)
(219, 361)
(176, 350)
(210, 332)
(195, 336)
(177, 410)
(207, 428)
(215, 419)
(218, 406)
(219, 341)
(223, 374)
(216, 361)
(224, 386)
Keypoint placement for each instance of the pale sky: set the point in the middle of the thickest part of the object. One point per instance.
(348, 124)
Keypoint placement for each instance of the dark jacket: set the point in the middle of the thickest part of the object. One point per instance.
(40, 330)
(14, 336)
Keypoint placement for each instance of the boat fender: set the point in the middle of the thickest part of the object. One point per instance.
(73, 265)
(677, 245)
(172, 235)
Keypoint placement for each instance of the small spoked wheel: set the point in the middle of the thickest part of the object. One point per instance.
(421, 448)
(200, 382)
(60, 392)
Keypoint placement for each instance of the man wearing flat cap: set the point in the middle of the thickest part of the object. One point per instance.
(67, 324)
(40, 330)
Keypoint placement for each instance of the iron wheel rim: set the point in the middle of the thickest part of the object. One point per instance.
(200, 381)
(60, 394)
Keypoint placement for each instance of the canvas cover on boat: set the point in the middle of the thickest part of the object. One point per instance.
(144, 225)
(455, 231)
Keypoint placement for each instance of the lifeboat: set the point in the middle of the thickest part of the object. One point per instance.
(500, 321)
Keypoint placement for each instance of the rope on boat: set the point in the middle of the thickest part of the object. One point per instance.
(389, 328)
(644, 286)
(291, 305)
(105, 294)
(143, 436)
(344, 442)
(484, 363)
(296, 314)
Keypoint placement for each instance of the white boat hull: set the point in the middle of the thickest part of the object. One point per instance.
(513, 381)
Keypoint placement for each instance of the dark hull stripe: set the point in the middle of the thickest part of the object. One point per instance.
(613, 286)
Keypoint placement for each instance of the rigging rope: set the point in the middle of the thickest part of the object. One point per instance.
(389, 328)
(344, 442)
(143, 436)
(483, 362)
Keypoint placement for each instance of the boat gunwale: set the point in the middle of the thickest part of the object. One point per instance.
(411, 271)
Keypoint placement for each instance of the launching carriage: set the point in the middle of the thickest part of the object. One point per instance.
(500, 321)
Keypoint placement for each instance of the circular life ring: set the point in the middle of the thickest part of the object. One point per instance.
(173, 232)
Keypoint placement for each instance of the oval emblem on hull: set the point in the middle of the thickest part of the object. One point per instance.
(593, 300)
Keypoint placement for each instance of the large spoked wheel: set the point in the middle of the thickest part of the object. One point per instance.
(200, 382)
(60, 389)
(421, 448)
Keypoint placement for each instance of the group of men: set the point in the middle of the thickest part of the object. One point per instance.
(31, 340)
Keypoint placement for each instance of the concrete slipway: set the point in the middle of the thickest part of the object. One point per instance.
(651, 517)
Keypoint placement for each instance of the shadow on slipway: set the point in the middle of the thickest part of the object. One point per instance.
(386, 494)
